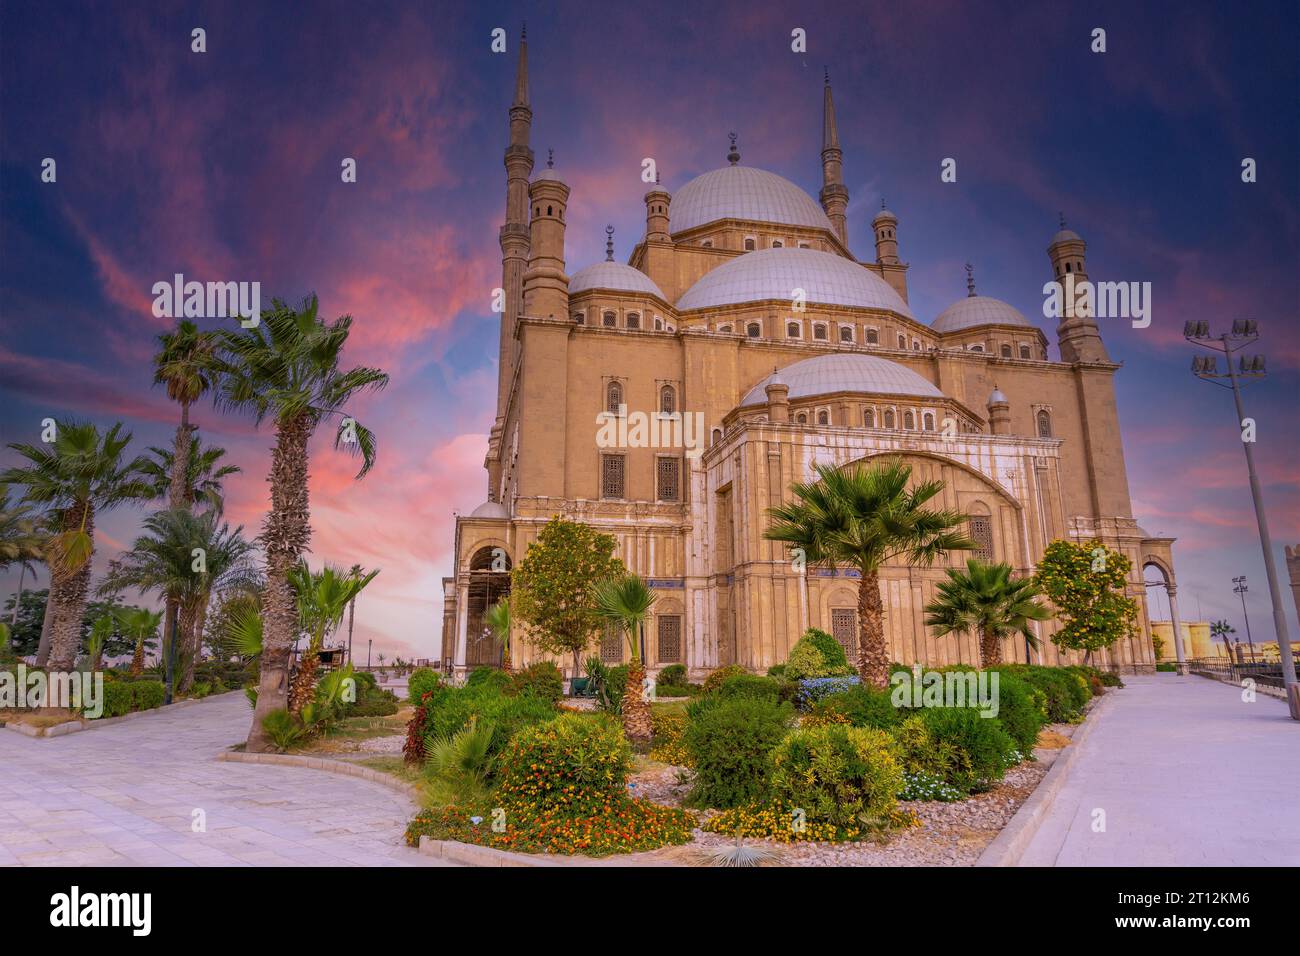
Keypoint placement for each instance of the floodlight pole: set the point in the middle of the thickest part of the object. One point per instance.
(1246, 336)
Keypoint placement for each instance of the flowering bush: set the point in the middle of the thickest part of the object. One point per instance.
(668, 742)
(784, 824)
(816, 654)
(573, 762)
(922, 785)
(814, 689)
(715, 678)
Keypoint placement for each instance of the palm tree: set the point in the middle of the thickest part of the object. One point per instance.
(356, 571)
(322, 598)
(184, 364)
(184, 557)
(985, 600)
(1223, 630)
(21, 541)
(864, 516)
(204, 474)
(287, 368)
(79, 475)
(498, 619)
(141, 624)
(625, 602)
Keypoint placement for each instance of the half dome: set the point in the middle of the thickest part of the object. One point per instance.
(742, 192)
(846, 372)
(490, 509)
(825, 278)
(614, 276)
(975, 310)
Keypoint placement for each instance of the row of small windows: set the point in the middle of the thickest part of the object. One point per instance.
(614, 399)
(668, 646)
(668, 477)
(537, 211)
(609, 320)
(888, 419)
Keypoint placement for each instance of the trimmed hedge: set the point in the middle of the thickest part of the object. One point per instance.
(837, 774)
(729, 740)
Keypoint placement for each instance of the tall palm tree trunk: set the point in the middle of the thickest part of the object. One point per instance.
(873, 654)
(286, 535)
(47, 626)
(177, 492)
(636, 710)
(68, 591)
(18, 598)
(137, 658)
(352, 609)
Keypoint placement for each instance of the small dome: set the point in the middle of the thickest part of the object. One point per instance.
(846, 372)
(997, 398)
(742, 192)
(1065, 235)
(825, 278)
(490, 509)
(884, 214)
(548, 174)
(975, 310)
(614, 276)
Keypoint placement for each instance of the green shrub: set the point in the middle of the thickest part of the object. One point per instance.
(572, 764)
(668, 743)
(542, 679)
(749, 685)
(1021, 711)
(674, 675)
(117, 699)
(488, 676)
(610, 685)
(372, 701)
(450, 709)
(1111, 679)
(729, 740)
(672, 690)
(817, 654)
(776, 670)
(715, 678)
(842, 775)
(200, 689)
(863, 707)
(1066, 693)
(1167, 668)
(982, 746)
(422, 680)
(283, 728)
(147, 694)
(924, 755)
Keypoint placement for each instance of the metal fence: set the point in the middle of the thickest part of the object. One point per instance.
(1265, 674)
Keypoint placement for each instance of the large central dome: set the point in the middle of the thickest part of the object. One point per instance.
(825, 278)
(846, 372)
(742, 192)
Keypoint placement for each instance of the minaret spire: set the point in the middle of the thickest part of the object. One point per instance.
(834, 197)
(970, 281)
(609, 243)
(521, 70)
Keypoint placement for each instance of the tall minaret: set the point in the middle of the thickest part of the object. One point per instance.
(514, 238)
(1077, 334)
(834, 197)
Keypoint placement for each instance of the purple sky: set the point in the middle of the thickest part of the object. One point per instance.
(225, 165)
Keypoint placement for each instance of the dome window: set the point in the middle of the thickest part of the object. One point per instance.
(634, 320)
(609, 319)
(614, 397)
(659, 324)
(916, 345)
(902, 341)
(724, 328)
(1024, 351)
(579, 318)
(802, 419)
(792, 330)
(889, 418)
(869, 417)
(750, 244)
(819, 332)
(846, 333)
(753, 330)
(873, 337)
(707, 243)
(1006, 351)
(977, 348)
(778, 244)
(909, 420)
(823, 417)
(928, 421)
(717, 435)
(804, 245)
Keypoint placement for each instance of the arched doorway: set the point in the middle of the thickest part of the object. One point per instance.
(489, 581)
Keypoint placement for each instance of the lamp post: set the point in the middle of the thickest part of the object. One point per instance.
(1241, 589)
(369, 643)
(1245, 332)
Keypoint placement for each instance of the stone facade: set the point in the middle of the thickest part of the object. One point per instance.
(731, 353)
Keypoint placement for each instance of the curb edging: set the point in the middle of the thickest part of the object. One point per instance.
(329, 766)
(1009, 846)
(78, 725)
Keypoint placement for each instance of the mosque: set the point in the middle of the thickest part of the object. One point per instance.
(743, 307)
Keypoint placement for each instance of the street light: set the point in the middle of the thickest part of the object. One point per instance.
(1246, 332)
(1242, 589)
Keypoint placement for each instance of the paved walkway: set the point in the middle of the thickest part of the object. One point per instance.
(125, 795)
(1187, 774)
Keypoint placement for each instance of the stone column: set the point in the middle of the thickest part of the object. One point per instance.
(1178, 628)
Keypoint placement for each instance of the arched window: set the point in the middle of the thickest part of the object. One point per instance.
(804, 245)
(707, 243)
(909, 420)
(777, 244)
(753, 330)
(659, 324)
(580, 318)
(846, 333)
(724, 328)
(1067, 267)
(801, 418)
(889, 418)
(1024, 351)
(548, 210)
(869, 417)
(634, 320)
(667, 400)
(873, 337)
(613, 397)
(902, 341)
(749, 245)
(717, 435)
(1044, 424)
(1006, 351)
(609, 319)
(916, 345)
(823, 417)
(980, 530)
(792, 329)
(819, 332)
(977, 348)
(928, 421)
